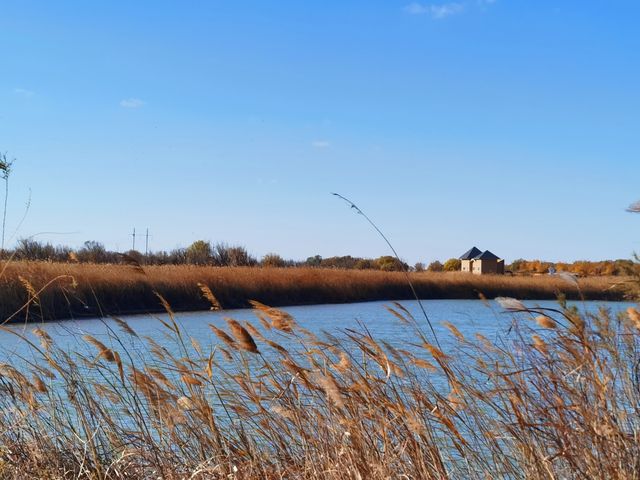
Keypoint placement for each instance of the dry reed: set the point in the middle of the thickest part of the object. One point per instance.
(555, 398)
(58, 291)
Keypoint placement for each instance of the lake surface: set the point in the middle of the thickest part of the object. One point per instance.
(469, 316)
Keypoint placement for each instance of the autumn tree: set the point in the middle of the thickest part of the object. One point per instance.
(389, 263)
(435, 266)
(314, 261)
(224, 255)
(273, 260)
(199, 253)
(452, 265)
(365, 264)
(93, 252)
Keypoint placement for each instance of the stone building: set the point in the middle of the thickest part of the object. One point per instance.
(480, 263)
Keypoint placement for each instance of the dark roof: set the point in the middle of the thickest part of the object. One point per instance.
(469, 254)
(486, 255)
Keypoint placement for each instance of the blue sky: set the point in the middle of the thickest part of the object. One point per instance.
(510, 125)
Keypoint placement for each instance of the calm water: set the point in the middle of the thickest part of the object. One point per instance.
(469, 316)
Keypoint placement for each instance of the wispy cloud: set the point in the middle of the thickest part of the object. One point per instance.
(23, 92)
(131, 103)
(416, 9)
(442, 11)
(438, 12)
(320, 144)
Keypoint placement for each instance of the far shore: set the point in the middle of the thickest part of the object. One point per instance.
(37, 291)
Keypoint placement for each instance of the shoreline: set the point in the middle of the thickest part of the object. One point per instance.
(130, 316)
(58, 291)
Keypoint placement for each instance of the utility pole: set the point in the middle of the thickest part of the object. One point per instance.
(134, 239)
(146, 243)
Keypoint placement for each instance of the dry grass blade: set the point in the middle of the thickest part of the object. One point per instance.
(33, 294)
(211, 298)
(196, 345)
(330, 387)
(568, 277)
(222, 335)
(45, 339)
(540, 344)
(280, 319)
(244, 339)
(132, 263)
(344, 364)
(118, 360)
(165, 304)
(398, 315)
(452, 328)
(39, 385)
(634, 316)
(435, 352)
(190, 380)
(124, 326)
(511, 304)
(545, 322)
(277, 347)
(186, 403)
(424, 364)
(254, 331)
(103, 351)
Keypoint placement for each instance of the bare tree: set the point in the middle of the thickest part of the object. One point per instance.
(5, 171)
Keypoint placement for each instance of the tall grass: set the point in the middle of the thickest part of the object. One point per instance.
(558, 397)
(73, 290)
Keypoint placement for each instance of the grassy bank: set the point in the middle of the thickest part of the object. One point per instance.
(67, 290)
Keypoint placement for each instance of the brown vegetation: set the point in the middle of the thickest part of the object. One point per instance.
(556, 398)
(583, 268)
(66, 290)
(204, 253)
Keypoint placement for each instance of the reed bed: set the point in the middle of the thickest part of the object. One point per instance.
(557, 396)
(67, 290)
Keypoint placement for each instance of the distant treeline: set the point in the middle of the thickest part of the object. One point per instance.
(581, 268)
(202, 252)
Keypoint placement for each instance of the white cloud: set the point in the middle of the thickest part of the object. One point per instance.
(320, 144)
(435, 11)
(131, 103)
(23, 92)
(442, 11)
(416, 9)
